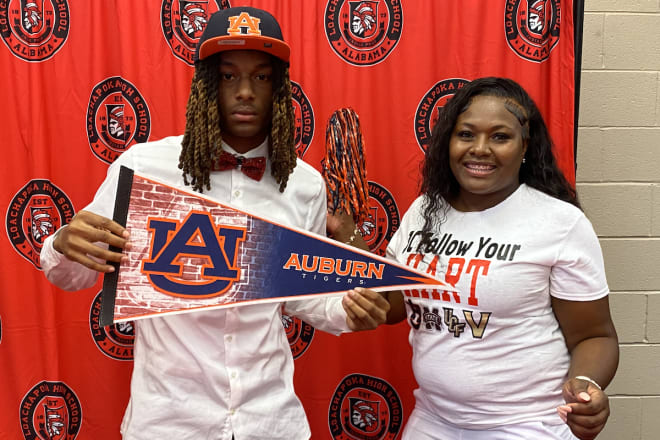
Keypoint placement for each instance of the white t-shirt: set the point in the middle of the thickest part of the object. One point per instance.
(208, 375)
(494, 354)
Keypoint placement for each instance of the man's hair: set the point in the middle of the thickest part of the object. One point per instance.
(540, 170)
(202, 137)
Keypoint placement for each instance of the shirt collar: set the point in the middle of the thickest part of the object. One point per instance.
(261, 150)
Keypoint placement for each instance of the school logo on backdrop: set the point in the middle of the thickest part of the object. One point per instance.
(429, 107)
(183, 22)
(363, 33)
(298, 333)
(304, 119)
(532, 27)
(36, 211)
(365, 408)
(383, 219)
(50, 411)
(115, 341)
(34, 30)
(117, 117)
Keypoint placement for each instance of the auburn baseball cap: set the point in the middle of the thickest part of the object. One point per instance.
(242, 28)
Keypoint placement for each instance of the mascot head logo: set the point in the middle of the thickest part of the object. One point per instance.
(536, 16)
(303, 117)
(34, 30)
(383, 220)
(117, 117)
(50, 411)
(184, 21)
(33, 16)
(532, 27)
(366, 408)
(364, 414)
(116, 128)
(430, 106)
(36, 211)
(193, 19)
(363, 33)
(364, 18)
(43, 224)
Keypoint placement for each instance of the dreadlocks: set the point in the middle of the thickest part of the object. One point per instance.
(202, 137)
(199, 151)
(282, 148)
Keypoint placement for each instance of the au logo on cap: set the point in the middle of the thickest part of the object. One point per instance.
(245, 21)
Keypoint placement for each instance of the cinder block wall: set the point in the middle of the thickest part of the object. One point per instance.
(618, 180)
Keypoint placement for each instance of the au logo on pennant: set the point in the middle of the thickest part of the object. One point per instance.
(189, 252)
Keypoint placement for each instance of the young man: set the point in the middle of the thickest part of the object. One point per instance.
(222, 373)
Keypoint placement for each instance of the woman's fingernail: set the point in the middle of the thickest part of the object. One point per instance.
(584, 396)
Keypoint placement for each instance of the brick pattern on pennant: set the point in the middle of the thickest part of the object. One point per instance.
(137, 296)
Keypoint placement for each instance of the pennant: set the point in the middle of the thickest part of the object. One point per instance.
(189, 252)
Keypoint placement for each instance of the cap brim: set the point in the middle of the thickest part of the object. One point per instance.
(223, 43)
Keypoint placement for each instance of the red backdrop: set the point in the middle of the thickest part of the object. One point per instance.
(71, 70)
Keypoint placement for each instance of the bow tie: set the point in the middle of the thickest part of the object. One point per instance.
(252, 167)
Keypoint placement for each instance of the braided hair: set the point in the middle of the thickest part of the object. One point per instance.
(202, 137)
(540, 171)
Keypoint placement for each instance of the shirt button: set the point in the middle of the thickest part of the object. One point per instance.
(229, 338)
(237, 193)
(231, 411)
(233, 375)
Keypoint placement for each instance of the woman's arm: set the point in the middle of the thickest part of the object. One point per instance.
(592, 342)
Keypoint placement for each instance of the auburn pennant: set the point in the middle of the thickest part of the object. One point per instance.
(194, 253)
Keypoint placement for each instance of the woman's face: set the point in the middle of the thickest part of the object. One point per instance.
(485, 153)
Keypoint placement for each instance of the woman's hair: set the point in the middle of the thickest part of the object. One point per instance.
(540, 170)
(201, 140)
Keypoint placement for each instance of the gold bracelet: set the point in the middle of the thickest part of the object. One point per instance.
(356, 231)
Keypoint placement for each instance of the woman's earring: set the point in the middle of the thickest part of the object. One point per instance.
(524, 160)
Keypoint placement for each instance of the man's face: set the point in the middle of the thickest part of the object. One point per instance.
(245, 98)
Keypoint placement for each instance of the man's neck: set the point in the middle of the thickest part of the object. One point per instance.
(241, 144)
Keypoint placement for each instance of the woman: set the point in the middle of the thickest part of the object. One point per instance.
(523, 350)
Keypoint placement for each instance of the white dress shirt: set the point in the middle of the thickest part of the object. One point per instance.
(210, 375)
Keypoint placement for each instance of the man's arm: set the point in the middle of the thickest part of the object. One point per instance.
(365, 309)
(73, 257)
